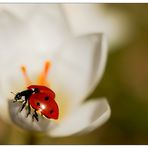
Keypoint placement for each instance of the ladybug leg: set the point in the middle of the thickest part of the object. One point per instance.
(24, 104)
(29, 110)
(35, 115)
(27, 94)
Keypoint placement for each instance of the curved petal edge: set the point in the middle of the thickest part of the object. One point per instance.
(86, 118)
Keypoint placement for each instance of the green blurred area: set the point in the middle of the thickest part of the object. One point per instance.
(124, 84)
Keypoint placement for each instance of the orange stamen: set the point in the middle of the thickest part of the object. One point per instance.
(24, 72)
(42, 79)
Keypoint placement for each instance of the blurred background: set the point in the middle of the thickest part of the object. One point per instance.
(125, 84)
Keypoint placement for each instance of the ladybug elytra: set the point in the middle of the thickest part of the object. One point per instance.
(41, 99)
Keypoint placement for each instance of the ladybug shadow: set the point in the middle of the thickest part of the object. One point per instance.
(21, 119)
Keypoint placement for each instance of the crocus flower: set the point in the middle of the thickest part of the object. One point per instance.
(33, 36)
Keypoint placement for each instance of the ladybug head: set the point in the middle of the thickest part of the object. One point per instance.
(18, 96)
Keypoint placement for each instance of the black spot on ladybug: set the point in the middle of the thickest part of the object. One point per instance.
(51, 111)
(38, 103)
(46, 98)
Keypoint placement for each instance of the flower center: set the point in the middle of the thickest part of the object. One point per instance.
(42, 78)
(36, 95)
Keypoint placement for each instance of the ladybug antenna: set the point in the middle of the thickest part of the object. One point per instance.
(24, 72)
(13, 93)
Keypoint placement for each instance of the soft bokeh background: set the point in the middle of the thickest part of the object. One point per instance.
(125, 84)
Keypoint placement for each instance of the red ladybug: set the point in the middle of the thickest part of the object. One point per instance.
(41, 99)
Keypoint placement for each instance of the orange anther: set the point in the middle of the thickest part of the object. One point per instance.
(42, 80)
(24, 72)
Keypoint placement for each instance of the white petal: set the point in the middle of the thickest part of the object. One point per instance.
(44, 29)
(85, 118)
(79, 67)
(93, 18)
(18, 10)
(4, 114)
(26, 11)
(20, 119)
(86, 18)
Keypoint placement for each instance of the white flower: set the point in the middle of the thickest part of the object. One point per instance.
(33, 34)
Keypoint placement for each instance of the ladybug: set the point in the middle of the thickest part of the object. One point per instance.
(41, 99)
